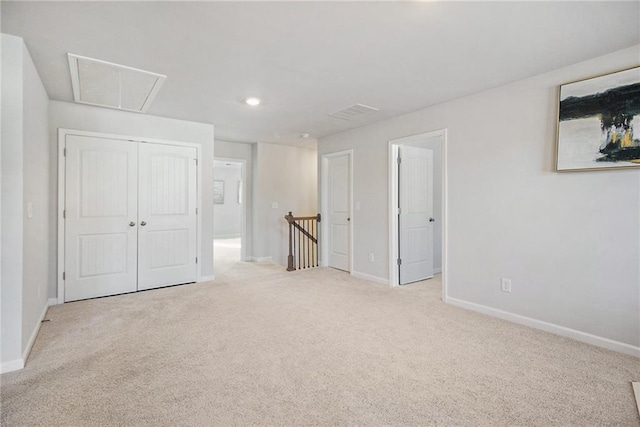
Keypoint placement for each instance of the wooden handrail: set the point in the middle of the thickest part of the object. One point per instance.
(307, 243)
(297, 218)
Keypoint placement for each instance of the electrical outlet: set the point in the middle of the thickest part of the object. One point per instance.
(505, 285)
(274, 205)
(371, 257)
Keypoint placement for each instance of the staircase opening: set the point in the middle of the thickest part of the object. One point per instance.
(303, 241)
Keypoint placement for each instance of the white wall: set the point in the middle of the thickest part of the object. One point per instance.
(83, 117)
(36, 194)
(12, 193)
(287, 176)
(24, 179)
(569, 242)
(227, 217)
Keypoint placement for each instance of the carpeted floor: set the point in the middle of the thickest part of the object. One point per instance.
(260, 346)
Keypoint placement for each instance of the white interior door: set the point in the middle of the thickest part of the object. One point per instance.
(415, 219)
(167, 212)
(338, 209)
(101, 217)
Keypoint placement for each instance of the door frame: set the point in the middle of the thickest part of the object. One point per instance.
(393, 203)
(324, 185)
(62, 188)
(243, 226)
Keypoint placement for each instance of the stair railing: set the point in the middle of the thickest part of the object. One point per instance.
(303, 241)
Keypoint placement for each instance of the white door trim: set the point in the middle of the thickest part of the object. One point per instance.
(393, 203)
(324, 184)
(243, 230)
(62, 136)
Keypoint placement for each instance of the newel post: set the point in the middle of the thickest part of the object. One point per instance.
(289, 219)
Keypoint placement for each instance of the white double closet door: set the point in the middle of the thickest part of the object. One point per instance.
(130, 216)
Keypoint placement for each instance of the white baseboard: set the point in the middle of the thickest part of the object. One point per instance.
(12, 365)
(437, 270)
(227, 236)
(206, 278)
(370, 278)
(548, 327)
(636, 392)
(34, 334)
(15, 365)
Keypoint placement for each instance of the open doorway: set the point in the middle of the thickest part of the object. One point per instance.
(229, 212)
(417, 208)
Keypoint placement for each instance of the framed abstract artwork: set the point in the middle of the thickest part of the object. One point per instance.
(218, 192)
(597, 119)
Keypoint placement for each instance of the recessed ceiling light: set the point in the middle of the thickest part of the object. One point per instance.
(252, 101)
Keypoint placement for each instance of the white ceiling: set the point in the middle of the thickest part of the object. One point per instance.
(309, 59)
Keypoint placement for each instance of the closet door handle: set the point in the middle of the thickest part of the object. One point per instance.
(143, 223)
(132, 224)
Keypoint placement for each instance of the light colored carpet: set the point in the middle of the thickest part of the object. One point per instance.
(260, 346)
(226, 255)
(233, 243)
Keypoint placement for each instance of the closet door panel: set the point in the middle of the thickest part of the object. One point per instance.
(167, 200)
(101, 217)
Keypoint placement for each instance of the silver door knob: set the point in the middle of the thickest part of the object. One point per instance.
(131, 224)
(143, 223)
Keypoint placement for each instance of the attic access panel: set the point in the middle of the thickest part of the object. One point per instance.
(354, 111)
(110, 85)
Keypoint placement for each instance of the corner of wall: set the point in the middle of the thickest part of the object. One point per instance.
(12, 202)
(36, 196)
(25, 196)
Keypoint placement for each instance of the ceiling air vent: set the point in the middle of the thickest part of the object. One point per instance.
(111, 85)
(352, 112)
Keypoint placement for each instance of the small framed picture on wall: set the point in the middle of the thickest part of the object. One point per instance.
(218, 192)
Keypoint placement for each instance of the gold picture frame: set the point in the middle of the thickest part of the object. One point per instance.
(596, 122)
